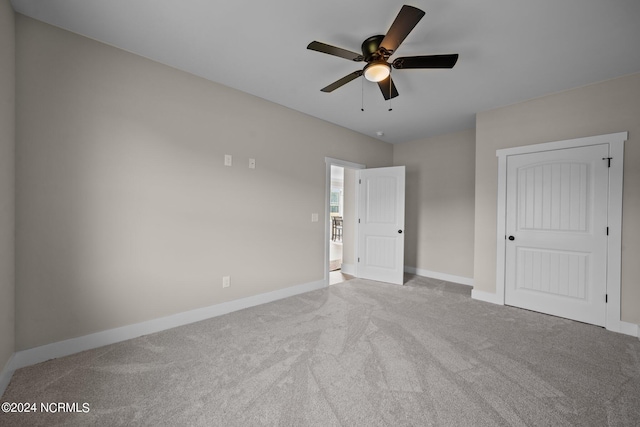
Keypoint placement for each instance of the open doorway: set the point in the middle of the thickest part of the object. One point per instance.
(341, 220)
(336, 214)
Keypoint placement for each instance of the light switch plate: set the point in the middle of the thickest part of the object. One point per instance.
(228, 160)
(252, 163)
(314, 217)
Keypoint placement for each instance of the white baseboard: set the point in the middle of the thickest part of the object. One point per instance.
(440, 276)
(486, 297)
(626, 328)
(619, 327)
(75, 345)
(349, 269)
(5, 375)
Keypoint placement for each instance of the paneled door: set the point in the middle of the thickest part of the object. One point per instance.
(381, 224)
(556, 232)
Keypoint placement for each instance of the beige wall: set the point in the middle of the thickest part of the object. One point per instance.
(125, 210)
(439, 202)
(7, 159)
(606, 107)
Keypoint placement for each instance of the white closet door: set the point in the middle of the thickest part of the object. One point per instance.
(556, 234)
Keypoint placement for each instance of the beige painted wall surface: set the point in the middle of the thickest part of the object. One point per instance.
(607, 107)
(125, 210)
(7, 205)
(439, 212)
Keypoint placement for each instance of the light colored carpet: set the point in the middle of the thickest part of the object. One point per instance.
(336, 277)
(359, 353)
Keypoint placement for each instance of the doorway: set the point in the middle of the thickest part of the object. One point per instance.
(336, 213)
(372, 223)
(340, 228)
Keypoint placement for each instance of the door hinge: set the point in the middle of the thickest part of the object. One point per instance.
(358, 220)
(358, 259)
(608, 159)
(359, 181)
(606, 298)
(607, 231)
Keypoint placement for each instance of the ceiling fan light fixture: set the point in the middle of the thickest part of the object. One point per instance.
(376, 51)
(377, 71)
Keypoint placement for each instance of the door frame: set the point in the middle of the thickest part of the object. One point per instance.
(614, 208)
(329, 161)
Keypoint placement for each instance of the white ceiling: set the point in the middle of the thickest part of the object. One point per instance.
(509, 50)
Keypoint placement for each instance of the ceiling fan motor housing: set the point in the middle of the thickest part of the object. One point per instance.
(370, 48)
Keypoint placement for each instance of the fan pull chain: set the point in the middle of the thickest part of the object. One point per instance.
(390, 91)
(362, 105)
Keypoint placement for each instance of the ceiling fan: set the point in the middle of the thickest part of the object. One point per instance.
(376, 51)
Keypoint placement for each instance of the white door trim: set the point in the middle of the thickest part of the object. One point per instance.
(614, 244)
(329, 161)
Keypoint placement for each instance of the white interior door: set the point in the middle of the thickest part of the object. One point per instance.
(556, 232)
(381, 224)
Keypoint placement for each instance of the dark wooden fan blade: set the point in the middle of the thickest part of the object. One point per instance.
(406, 20)
(387, 88)
(426, 61)
(335, 51)
(343, 81)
